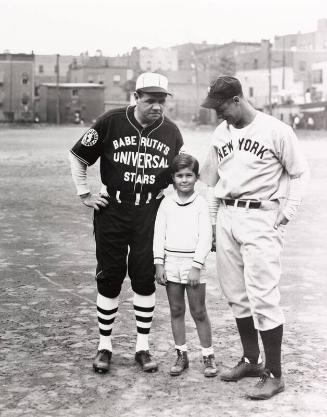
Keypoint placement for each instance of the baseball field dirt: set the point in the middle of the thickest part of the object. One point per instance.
(47, 301)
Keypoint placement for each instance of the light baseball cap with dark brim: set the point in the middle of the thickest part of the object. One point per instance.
(154, 90)
(151, 82)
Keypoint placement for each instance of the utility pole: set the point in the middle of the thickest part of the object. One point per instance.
(58, 92)
(11, 113)
(269, 77)
(284, 64)
(196, 80)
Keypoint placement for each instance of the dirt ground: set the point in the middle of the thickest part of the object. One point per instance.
(47, 302)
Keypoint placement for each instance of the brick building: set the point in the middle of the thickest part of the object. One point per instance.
(186, 54)
(16, 87)
(158, 59)
(284, 87)
(221, 59)
(300, 61)
(114, 79)
(77, 102)
(316, 40)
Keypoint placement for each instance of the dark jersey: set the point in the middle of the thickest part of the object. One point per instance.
(133, 158)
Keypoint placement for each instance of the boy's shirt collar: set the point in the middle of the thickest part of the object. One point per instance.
(190, 200)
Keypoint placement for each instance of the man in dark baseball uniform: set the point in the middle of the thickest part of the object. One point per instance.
(136, 146)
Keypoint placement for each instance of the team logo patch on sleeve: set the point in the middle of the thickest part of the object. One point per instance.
(90, 138)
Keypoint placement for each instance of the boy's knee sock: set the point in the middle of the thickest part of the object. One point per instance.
(106, 311)
(272, 343)
(207, 351)
(249, 338)
(143, 308)
(182, 348)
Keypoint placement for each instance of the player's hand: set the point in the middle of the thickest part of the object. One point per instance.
(95, 201)
(213, 246)
(194, 277)
(160, 275)
(281, 219)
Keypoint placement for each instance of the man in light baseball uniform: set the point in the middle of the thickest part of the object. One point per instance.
(256, 175)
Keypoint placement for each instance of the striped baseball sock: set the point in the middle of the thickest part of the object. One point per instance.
(143, 308)
(106, 311)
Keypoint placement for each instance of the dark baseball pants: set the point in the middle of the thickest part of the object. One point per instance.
(117, 228)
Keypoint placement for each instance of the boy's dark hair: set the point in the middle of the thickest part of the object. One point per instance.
(184, 160)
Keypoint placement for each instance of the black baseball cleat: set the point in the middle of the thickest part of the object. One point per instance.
(243, 369)
(102, 360)
(146, 361)
(267, 387)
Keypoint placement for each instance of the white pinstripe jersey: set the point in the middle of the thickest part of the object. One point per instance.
(254, 162)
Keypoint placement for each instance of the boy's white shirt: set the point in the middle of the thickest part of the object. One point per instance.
(183, 229)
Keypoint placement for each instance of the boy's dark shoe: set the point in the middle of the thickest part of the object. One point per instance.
(144, 358)
(243, 369)
(102, 361)
(267, 387)
(210, 368)
(181, 363)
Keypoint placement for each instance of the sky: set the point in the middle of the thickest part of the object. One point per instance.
(72, 27)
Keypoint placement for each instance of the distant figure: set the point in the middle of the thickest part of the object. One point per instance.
(296, 122)
(311, 123)
(77, 117)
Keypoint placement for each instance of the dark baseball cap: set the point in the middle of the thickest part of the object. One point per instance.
(223, 88)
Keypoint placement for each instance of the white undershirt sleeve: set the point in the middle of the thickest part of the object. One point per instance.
(213, 203)
(78, 170)
(297, 187)
(159, 237)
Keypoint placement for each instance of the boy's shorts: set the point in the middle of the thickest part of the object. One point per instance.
(178, 268)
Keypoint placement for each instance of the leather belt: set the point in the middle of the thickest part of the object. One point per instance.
(242, 203)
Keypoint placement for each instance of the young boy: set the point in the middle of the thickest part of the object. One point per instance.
(182, 241)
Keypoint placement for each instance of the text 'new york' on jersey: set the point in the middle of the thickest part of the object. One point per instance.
(254, 162)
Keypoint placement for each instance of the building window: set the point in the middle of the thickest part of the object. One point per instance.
(24, 78)
(37, 91)
(74, 92)
(25, 99)
(251, 92)
(116, 79)
(317, 77)
(41, 69)
(302, 66)
(255, 64)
